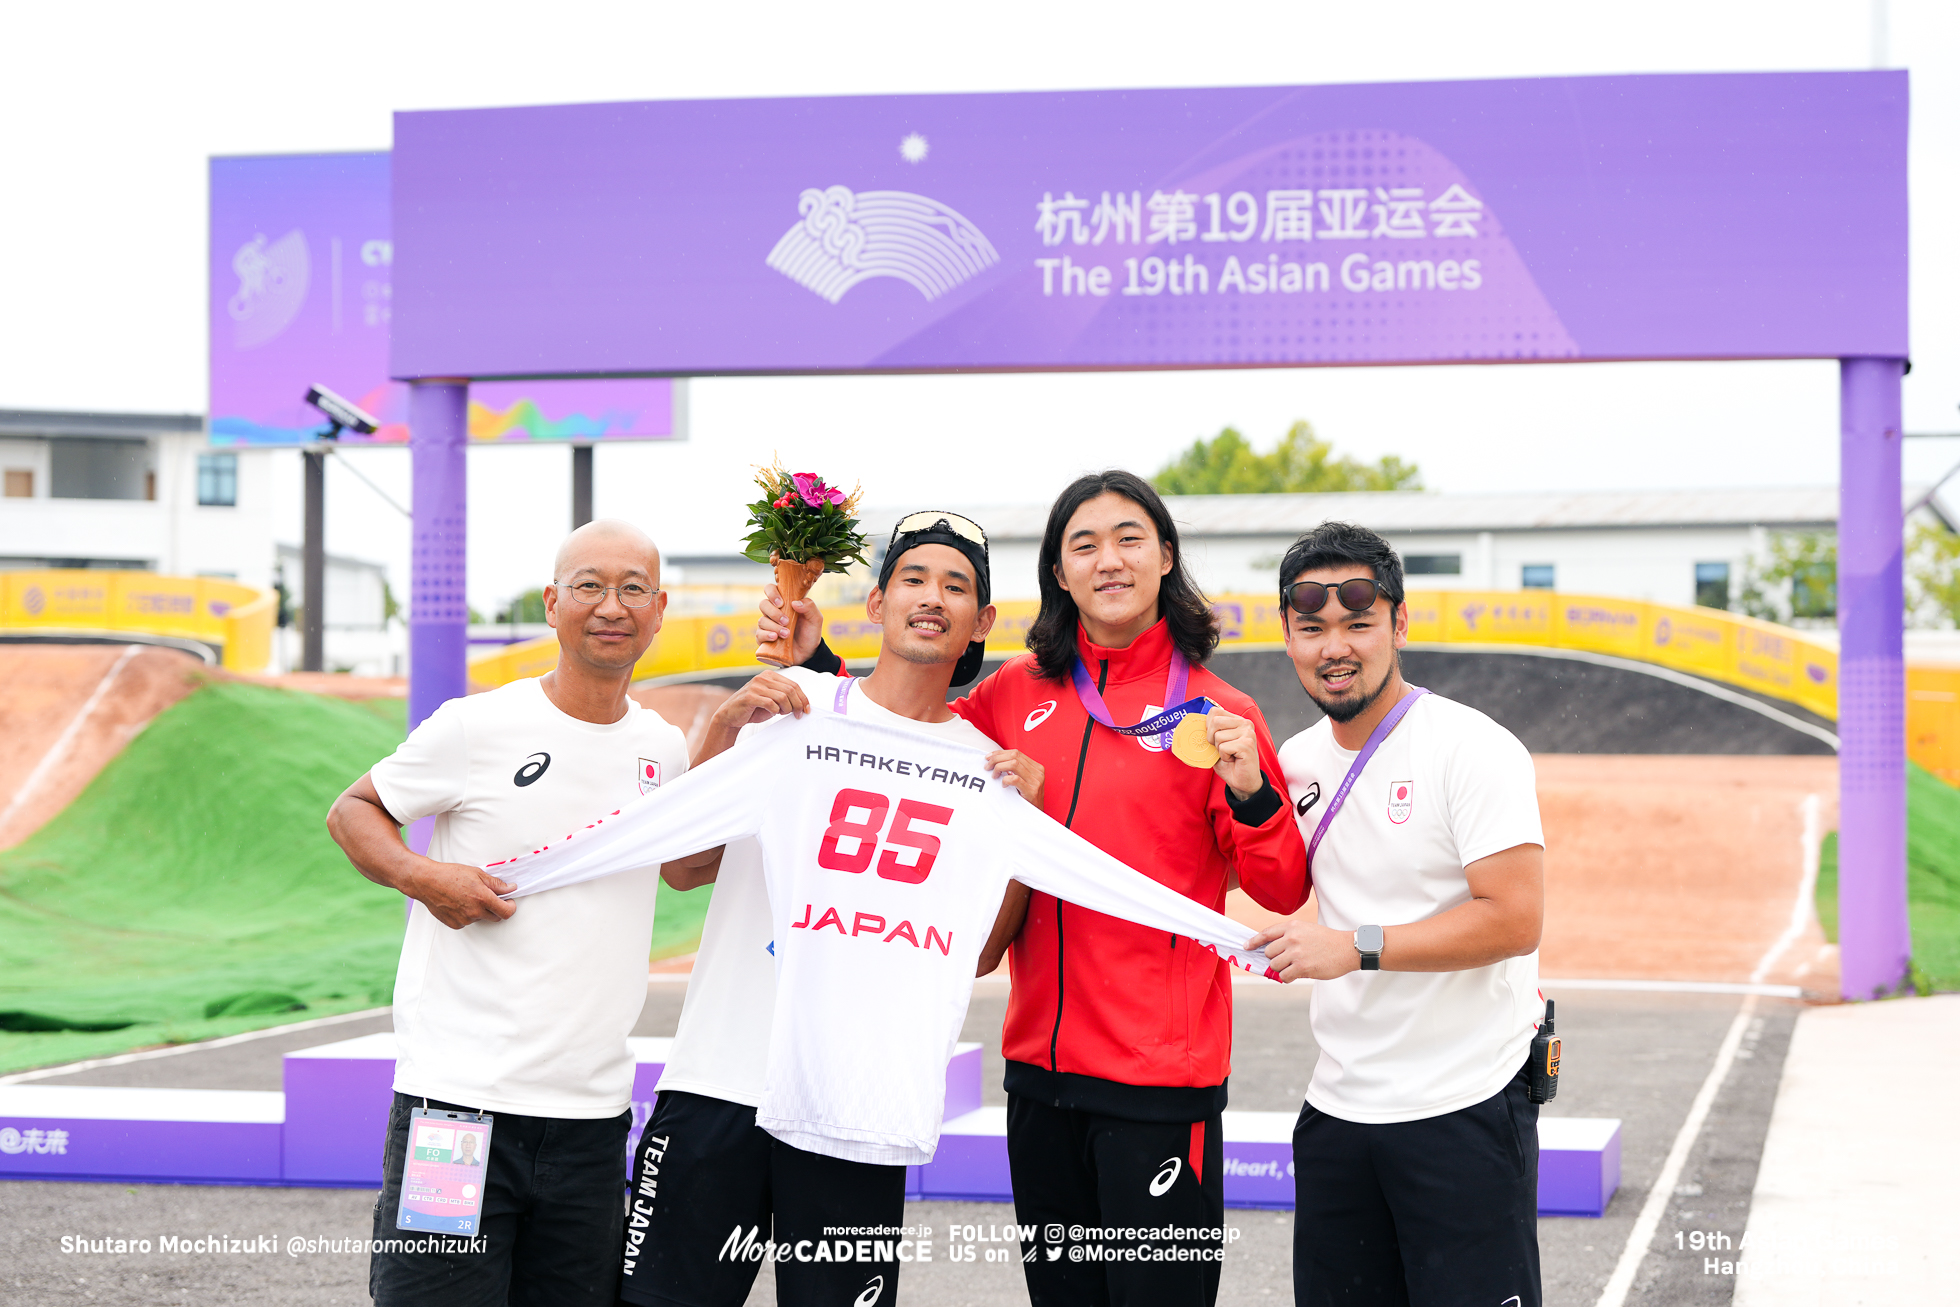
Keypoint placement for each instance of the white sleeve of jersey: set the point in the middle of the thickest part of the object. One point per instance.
(709, 805)
(429, 772)
(1047, 856)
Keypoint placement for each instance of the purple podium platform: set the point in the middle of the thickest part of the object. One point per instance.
(327, 1129)
(1578, 1162)
(337, 1099)
(86, 1132)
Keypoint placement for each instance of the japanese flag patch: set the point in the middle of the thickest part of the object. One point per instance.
(1401, 800)
(649, 775)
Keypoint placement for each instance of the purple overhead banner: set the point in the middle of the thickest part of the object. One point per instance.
(1704, 216)
(301, 293)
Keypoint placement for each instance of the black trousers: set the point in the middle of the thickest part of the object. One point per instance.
(707, 1185)
(1428, 1213)
(1083, 1171)
(551, 1217)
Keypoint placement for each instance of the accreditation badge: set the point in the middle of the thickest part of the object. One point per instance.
(444, 1174)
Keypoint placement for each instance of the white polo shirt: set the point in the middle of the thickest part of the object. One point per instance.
(1448, 787)
(528, 1015)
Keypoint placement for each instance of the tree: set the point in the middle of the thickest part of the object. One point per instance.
(1932, 575)
(1302, 463)
(527, 607)
(1797, 582)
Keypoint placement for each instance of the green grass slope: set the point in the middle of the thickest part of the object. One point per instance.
(1932, 878)
(192, 891)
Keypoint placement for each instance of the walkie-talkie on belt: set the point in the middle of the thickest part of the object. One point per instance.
(1542, 1087)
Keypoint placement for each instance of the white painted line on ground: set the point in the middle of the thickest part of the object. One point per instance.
(1806, 905)
(59, 749)
(121, 1059)
(1620, 1283)
(1678, 987)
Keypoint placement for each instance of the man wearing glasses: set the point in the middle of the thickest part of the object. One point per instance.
(522, 1010)
(1416, 1153)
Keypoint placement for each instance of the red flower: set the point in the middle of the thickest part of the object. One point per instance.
(815, 493)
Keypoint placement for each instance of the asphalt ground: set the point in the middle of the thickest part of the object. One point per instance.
(1638, 1056)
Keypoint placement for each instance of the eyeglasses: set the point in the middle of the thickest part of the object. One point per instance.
(632, 594)
(964, 527)
(1308, 597)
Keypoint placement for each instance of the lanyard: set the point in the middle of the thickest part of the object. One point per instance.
(843, 704)
(1387, 724)
(1164, 722)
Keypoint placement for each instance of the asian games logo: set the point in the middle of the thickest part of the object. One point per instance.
(846, 237)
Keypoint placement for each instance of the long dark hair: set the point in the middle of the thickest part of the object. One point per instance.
(1184, 607)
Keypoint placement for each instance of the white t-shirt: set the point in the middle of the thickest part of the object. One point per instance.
(1447, 787)
(886, 853)
(721, 1048)
(528, 1015)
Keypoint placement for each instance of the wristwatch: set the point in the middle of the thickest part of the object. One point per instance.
(1368, 943)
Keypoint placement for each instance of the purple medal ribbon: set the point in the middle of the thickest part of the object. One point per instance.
(1387, 724)
(1164, 722)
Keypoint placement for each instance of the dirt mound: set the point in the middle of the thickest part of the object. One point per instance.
(1685, 868)
(67, 711)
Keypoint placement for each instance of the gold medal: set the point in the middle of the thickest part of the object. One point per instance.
(1191, 744)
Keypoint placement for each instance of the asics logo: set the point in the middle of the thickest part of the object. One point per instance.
(1039, 715)
(871, 1292)
(532, 769)
(1307, 800)
(1164, 1179)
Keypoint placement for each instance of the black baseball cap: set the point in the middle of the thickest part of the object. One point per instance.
(936, 527)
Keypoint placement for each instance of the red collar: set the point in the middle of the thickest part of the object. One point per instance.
(1147, 655)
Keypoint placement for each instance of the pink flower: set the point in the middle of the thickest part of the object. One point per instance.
(815, 493)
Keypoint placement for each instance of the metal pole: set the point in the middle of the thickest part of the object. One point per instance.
(581, 485)
(313, 564)
(1874, 939)
(438, 609)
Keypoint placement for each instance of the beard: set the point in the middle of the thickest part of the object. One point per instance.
(1347, 709)
(925, 654)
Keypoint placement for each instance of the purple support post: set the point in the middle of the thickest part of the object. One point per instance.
(438, 613)
(1873, 936)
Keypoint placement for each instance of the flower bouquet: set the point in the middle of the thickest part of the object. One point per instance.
(805, 528)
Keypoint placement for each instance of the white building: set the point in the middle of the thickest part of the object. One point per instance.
(132, 490)
(1671, 546)
(144, 491)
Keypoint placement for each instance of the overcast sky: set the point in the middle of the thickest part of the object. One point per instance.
(110, 111)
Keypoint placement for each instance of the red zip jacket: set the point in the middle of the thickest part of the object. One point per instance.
(1106, 1015)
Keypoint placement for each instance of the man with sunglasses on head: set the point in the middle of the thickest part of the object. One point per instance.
(1416, 1152)
(709, 1183)
(1118, 1038)
(522, 1010)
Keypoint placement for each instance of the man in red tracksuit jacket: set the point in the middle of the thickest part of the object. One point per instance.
(1118, 1038)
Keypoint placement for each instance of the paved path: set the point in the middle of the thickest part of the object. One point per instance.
(1638, 1056)
(1856, 1199)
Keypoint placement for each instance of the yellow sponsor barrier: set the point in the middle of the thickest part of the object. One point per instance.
(1776, 661)
(235, 617)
